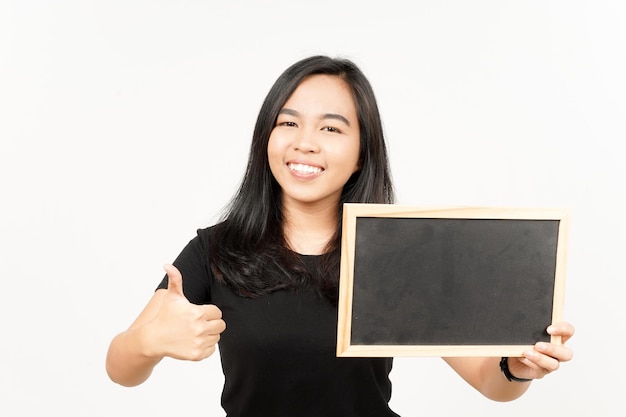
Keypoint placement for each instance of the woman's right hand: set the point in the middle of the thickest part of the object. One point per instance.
(180, 329)
(169, 325)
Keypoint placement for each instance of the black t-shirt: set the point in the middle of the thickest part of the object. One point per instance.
(278, 351)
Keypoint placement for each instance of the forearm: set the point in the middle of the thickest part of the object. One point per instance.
(494, 384)
(484, 375)
(128, 363)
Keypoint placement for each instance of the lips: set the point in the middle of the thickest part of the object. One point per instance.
(304, 169)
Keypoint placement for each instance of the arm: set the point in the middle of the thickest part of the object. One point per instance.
(484, 373)
(170, 326)
(128, 362)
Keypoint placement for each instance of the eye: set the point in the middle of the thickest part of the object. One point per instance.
(331, 129)
(286, 124)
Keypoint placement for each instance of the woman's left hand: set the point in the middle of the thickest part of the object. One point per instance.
(545, 357)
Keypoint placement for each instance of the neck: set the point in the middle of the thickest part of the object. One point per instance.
(309, 228)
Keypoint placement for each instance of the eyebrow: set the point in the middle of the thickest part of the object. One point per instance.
(333, 116)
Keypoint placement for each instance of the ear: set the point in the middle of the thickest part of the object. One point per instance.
(359, 165)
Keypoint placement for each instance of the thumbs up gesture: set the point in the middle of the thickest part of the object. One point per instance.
(183, 330)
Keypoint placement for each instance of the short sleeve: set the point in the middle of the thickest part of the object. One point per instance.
(193, 264)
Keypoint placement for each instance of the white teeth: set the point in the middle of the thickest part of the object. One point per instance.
(305, 169)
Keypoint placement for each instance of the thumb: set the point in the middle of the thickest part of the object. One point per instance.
(174, 280)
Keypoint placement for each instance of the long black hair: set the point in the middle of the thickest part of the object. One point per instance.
(248, 250)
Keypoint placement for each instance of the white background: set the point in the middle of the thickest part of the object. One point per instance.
(125, 126)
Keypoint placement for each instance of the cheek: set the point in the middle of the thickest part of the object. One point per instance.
(274, 154)
(271, 147)
(351, 154)
(277, 143)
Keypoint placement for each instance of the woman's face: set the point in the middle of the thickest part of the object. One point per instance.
(314, 146)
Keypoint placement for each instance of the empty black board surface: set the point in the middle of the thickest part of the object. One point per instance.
(439, 281)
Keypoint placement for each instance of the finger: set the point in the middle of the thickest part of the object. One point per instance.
(201, 353)
(212, 340)
(559, 352)
(211, 312)
(216, 327)
(210, 319)
(540, 364)
(531, 361)
(563, 329)
(174, 280)
(208, 351)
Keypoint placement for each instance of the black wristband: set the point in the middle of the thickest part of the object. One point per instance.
(504, 367)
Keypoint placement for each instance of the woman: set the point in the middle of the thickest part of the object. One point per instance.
(269, 269)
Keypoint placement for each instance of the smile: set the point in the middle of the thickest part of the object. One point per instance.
(304, 169)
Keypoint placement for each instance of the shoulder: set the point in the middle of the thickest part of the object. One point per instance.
(194, 264)
(197, 252)
(206, 236)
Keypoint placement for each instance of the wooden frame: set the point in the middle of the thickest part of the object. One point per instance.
(479, 267)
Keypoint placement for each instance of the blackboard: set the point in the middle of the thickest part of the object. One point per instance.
(449, 281)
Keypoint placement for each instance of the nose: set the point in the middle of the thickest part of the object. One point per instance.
(306, 142)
